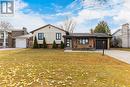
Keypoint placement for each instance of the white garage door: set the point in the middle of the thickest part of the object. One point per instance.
(20, 43)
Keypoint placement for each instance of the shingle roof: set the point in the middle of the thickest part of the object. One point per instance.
(24, 36)
(116, 31)
(81, 34)
(102, 35)
(87, 35)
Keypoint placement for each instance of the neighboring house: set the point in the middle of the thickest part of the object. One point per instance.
(77, 41)
(122, 36)
(50, 33)
(7, 38)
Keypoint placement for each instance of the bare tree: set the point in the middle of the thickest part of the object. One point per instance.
(116, 42)
(69, 25)
(4, 25)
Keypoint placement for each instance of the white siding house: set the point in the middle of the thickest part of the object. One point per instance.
(124, 35)
(50, 33)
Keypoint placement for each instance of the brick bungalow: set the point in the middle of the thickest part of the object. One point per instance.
(86, 41)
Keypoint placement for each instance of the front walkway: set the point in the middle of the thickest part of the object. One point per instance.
(117, 54)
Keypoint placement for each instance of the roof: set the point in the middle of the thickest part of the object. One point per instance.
(80, 35)
(102, 35)
(10, 30)
(24, 36)
(46, 26)
(116, 31)
(87, 35)
(7, 30)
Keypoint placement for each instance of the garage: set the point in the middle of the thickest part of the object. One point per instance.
(21, 43)
(99, 43)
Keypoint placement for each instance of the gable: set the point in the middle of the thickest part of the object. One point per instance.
(117, 33)
(49, 26)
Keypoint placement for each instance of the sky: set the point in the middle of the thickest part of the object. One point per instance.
(33, 14)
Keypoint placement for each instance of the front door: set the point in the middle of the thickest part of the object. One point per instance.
(68, 42)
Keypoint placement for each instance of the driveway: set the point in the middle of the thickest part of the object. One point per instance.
(8, 49)
(117, 54)
(120, 55)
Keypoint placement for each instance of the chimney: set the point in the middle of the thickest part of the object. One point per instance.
(125, 26)
(25, 30)
(125, 35)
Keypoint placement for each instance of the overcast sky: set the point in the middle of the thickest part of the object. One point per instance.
(86, 13)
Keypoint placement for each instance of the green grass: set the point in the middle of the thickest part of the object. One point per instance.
(54, 68)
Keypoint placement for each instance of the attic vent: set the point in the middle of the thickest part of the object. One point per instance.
(49, 27)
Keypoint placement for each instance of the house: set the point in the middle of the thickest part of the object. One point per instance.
(7, 37)
(122, 36)
(50, 33)
(71, 40)
(86, 41)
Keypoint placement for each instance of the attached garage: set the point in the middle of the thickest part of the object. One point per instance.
(99, 43)
(22, 41)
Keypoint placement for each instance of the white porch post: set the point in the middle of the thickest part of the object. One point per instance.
(108, 43)
(4, 43)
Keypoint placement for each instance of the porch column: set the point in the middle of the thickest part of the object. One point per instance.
(4, 43)
(94, 43)
(64, 42)
(72, 42)
(108, 43)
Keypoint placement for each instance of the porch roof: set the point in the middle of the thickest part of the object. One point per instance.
(88, 35)
(79, 35)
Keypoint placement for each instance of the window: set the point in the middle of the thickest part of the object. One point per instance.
(68, 42)
(58, 36)
(2, 35)
(40, 36)
(83, 41)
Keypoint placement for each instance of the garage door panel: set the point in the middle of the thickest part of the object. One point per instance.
(99, 44)
(20, 43)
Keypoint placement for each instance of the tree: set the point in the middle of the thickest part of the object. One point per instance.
(35, 45)
(44, 43)
(102, 27)
(5, 27)
(54, 44)
(62, 45)
(116, 42)
(69, 25)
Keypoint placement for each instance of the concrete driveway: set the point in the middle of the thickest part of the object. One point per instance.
(8, 49)
(120, 55)
(117, 54)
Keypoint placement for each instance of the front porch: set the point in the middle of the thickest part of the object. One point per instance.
(80, 43)
(86, 41)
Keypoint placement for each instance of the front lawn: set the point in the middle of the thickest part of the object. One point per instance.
(54, 68)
